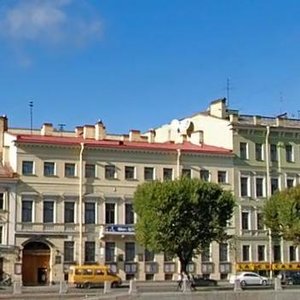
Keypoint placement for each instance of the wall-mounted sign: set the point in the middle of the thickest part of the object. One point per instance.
(120, 229)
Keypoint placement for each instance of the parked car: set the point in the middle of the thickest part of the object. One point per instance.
(199, 280)
(290, 277)
(249, 278)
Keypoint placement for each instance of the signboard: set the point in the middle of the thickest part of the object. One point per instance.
(123, 229)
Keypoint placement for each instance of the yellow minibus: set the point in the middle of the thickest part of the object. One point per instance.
(87, 276)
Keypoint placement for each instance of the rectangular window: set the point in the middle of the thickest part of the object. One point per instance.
(129, 251)
(243, 151)
(277, 253)
(259, 183)
(90, 171)
(110, 213)
(289, 153)
(290, 182)
(129, 172)
(1, 234)
(168, 174)
(69, 170)
(205, 255)
(245, 220)
(26, 211)
(49, 168)
(258, 151)
(27, 167)
(222, 177)
(69, 251)
(260, 221)
(129, 214)
(274, 185)
(148, 173)
(1, 201)
(244, 187)
(273, 152)
(89, 252)
(149, 255)
(261, 253)
(246, 253)
(110, 251)
(48, 212)
(204, 175)
(187, 173)
(89, 213)
(110, 172)
(69, 212)
(292, 253)
(223, 252)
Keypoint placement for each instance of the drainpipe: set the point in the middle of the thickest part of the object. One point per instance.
(280, 184)
(80, 201)
(268, 192)
(178, 162)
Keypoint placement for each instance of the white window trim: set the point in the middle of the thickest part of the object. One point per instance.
(263, 186)
(248, 186)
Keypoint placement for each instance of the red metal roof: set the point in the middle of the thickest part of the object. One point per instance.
(118, 144)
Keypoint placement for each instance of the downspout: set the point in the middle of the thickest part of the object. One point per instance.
(268, 192)
(280, 184)
(178, 163)
(80, 202)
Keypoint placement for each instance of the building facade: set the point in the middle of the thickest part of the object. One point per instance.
(67, 196)
(73, 199)
(266, 159)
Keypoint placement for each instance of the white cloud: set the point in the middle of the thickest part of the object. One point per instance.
(54, 22)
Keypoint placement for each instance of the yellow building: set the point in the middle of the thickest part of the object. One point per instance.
(73, 198)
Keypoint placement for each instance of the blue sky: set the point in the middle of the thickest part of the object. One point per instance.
(137, 64)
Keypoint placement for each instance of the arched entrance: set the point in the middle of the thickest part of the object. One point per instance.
(35, 263)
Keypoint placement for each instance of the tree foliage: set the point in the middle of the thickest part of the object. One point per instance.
(181, 217)
(282, 214)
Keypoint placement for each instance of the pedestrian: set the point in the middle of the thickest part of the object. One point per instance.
(179, 281)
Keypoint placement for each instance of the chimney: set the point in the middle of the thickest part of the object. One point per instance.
(280, 122)
(151, 136)
(47, 129)
(100, 132)
(78, 131)
(134, 135)
(257, 120)
(88, 132)
(217, 108)
(197, 137)
(233, 118)
(3, 128)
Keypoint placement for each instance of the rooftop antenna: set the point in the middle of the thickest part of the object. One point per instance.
(227, 90)
(31, 117)
(281, 103)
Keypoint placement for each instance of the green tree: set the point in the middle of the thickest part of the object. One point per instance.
(181, 217)
(282, 214)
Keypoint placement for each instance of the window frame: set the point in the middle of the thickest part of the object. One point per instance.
(67, 169)
(49, 212)
(244, 154)
(27, 165)
(90, 213)
(90, 170)
(110, 172)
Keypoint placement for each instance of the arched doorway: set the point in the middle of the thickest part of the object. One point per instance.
(35, 263)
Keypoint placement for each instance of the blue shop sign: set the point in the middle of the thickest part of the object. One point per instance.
(120, 229)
